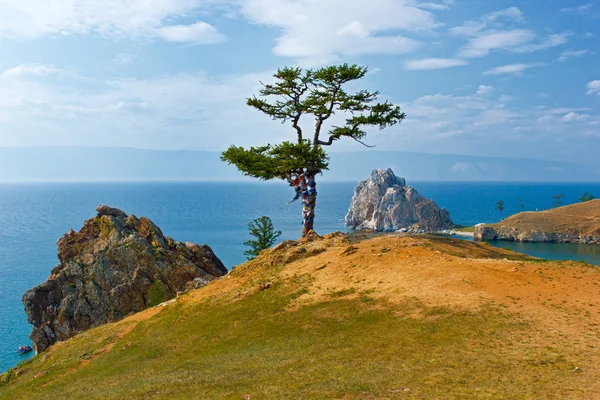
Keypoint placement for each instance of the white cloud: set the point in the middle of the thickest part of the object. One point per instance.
(184, 111)
(511, 69)
(434, 63)
(198, 33)
(573, 116)
(511, 13)
(566, 110)
(553, 40)
(323, 31)
(29, 69)
(482, 45)
(483, 90)
(565, 55)
(499, 31)
(581, 8)
(169, 112)
(594, 87)
(28, 19)
(443, 116)
(437, 6)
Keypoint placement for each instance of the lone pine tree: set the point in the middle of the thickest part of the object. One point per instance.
(318, 94)
(264, 234)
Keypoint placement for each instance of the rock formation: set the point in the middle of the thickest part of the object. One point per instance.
(575, 223)
(485, 232)
(384, 203)
(107, 271)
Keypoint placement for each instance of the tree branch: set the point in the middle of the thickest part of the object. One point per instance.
(328, 142)
(297, 127)
(322, 118)
(363, 143)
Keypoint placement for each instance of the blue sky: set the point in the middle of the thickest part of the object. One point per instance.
(490, 78)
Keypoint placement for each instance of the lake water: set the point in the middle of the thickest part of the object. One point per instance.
(34, 216)
(554, 251)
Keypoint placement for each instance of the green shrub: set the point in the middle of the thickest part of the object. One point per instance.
(263, 230)
(156, 294)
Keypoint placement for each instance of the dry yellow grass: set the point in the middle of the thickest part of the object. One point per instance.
(576, 219)
(383, 317)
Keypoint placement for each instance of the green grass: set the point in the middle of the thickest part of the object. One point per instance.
(350, 348)
(465, 229)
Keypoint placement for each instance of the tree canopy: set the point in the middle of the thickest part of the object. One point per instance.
(318, 94)
(586, 196)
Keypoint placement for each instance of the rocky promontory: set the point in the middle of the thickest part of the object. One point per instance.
(117, 264)
(576, 223)
(385, 203)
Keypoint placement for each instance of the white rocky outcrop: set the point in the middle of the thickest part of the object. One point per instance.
(385, 203)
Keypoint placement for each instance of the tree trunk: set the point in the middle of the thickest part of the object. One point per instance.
(309, 201)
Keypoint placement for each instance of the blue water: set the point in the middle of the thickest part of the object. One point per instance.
(34, 216)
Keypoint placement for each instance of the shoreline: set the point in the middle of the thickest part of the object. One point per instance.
(463, 234)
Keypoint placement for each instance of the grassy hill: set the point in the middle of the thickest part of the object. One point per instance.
(574, 219)
(359, 317)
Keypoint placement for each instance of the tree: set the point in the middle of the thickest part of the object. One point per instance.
(557, 199)
(318, 94)
(500, 206)
(156, 294)
(263, 230)
(586, 197)
(521, 205)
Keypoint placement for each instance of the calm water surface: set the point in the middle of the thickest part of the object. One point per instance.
(554, 251)
(34, 216)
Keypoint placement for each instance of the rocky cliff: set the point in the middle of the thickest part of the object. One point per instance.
(576, 223)
(385, 203)
(115, 265)
(485, 232)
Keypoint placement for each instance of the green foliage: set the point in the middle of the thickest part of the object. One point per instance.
(557, 199)
(586, 197)
(277, 161)
(500, 206)
(265, 236)
(317, 94)
(156, 294)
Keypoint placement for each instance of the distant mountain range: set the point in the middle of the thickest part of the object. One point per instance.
(51, 164)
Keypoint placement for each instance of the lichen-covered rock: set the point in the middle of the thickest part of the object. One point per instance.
(384, 203)
(106, 272)
(485, 232)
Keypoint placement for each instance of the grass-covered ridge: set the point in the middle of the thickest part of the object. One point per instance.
(381, 318)
(578, 219)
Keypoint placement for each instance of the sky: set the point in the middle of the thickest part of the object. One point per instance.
(488, 78)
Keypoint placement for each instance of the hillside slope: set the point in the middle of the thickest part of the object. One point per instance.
(579, 223)
(383, 317)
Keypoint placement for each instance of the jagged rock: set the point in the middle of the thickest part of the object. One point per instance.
(106, 272)
(384, 203)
